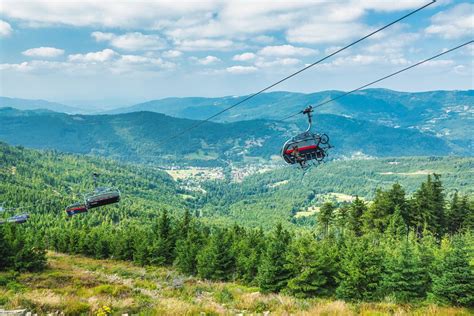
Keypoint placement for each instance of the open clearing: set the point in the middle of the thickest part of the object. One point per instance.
(77, 285)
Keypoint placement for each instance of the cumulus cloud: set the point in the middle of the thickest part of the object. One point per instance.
(101, 56)
(286, 50)
(5, 29)
(241, 69)
(317, 32)
(191, 23)
(135, 41)
(172, 54)
(47, 52)
(244, 57)
(205, 44)
(277, 62)
(208, 60)
(454, 23)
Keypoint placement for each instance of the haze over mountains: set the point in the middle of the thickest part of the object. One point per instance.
(375, 122)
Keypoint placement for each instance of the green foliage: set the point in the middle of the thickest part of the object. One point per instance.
(313, 266)
(361, 269)
(455, 283)
(215, 261)
(404, 272)
(360, 251)
(273, 273)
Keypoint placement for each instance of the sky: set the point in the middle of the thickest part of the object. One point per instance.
(115, 52)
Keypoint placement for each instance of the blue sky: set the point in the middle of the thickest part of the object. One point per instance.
(103, 53)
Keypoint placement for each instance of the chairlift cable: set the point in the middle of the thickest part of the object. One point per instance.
(383, 78)
(292, 75)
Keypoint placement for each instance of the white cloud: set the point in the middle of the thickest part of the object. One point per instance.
(244, 57)
(135, 41)
(317, 32)
(48, 52)
(190, 23)
(172, 54)
(208, 60)
(205, 44)
(286, 50)
(454, 23)
(277, 62)
(241, 69)
(101, 56)
(5, 29)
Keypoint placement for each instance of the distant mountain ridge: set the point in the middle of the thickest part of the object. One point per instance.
(142, 137)
(447, 114)
(27, 104)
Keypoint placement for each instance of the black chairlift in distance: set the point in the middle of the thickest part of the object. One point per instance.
(101, 195)
(307, 146)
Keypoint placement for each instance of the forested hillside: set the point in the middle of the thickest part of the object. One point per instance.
(400, 248)
(444, 113)
(142, 137)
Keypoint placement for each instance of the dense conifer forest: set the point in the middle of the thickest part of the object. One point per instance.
(403, 247)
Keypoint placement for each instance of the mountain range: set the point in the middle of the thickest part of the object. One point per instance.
(375, 122)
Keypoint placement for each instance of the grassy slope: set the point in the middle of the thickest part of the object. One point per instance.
(76, 285)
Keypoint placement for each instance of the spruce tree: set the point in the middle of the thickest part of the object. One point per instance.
(403, 276)
(455, 283)
(397, 228)
(361, 268)
(247, 251)
(325, 218)
(215, 260)
(356, 210)
(5, 250)
(313, 266)
(187, 249)
(273, 273)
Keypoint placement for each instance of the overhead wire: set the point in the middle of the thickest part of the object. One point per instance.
(381, 79)
(168, 139)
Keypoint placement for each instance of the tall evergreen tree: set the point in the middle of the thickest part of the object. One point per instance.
(455, 283)
(361, 269)
(313, 266)
(403, 276)
(187, 249)
(356, 210)
(273, 273)
(215, 260)
(326, 217)
(247, 252)
(5, 250)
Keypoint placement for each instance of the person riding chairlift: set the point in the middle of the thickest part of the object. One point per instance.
(299, 159)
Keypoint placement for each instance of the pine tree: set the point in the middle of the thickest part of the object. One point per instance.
(26, 256)
(426, 253)
(396, 227)
(162, 247)
(141, 254)
(342, 218)
(361, 267)
(438, 220)
(5, 250)
(356, 210)
(215, 260)
(313, 266)
(247, 252)
(458, 214)
(403, 277)
(326, 217)
(455, 283)
(187, 249)
(375, 218)
(273, 274)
